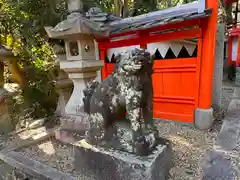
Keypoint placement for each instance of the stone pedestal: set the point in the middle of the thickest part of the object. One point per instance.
(64, 89)
(63, 85)
(108, 164)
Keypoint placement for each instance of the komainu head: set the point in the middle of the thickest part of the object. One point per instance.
(134, 61)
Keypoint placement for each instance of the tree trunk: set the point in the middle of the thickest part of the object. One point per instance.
(1, 74)
(236, 13)
(117, 4)
(17, 74)
(125, 9)
(169, 3)
(229, 14)
(136, 4)
(228, 11)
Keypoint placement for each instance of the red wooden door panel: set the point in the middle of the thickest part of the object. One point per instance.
(175, 87)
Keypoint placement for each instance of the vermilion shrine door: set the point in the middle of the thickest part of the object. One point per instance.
(175, 78)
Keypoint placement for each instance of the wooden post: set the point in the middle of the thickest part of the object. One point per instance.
(204, 113)
(169, 3)
(143, 46)
(209, 27)
(102, 58)
(238, 53)
(230, 41)
(237, 77)
(1, 74)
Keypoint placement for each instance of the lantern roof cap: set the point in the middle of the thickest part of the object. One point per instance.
(77, 24)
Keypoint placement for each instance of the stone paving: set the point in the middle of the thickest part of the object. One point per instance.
(223, 161)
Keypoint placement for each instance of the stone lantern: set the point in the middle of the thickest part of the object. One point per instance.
(5, 123)
(81, 65)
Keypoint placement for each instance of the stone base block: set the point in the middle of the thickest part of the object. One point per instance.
(108, 164)
(75, 123)
(68, 137)
(203, 118)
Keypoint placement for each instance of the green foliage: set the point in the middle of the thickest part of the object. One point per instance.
(142, 6)
(22, 30)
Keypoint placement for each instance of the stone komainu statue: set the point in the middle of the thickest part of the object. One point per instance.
(127, 89)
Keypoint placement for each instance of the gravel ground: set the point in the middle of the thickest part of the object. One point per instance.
(189, 145)
(52, 153)
(227, 92)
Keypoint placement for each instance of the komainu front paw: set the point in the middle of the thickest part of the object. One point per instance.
(141, 147)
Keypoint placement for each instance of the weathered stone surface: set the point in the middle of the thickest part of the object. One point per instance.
(222, 162)
(33, 168)
(68, 137)
(236, 95)
(108, 164)
(217, 167)
(4, 171)
(63, 85)
(96, 14)
(203, 118)
(237, 79)
(230, 132)
(75, 123)
(64, 95)
(128, 88)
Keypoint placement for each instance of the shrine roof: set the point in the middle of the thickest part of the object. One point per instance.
(234, 31)
(99, 24)
(158, 18)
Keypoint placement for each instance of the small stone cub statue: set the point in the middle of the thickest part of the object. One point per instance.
(127, 89)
